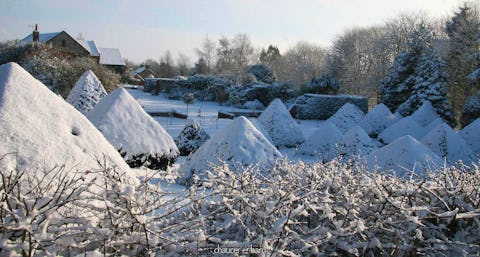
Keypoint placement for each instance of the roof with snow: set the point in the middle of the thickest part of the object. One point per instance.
(44, 131)
(129, 128)
(111, 56)
(237, 144)
(108, 56)
(43, 37)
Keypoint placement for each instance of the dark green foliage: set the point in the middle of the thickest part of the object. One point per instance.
(325, 85)
(471, 110)
(262, 72)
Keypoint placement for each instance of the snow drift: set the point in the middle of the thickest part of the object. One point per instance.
(280, 126)
(402, 156)
(136, 135)
(237, 144)
(87, 92)
(40, 131)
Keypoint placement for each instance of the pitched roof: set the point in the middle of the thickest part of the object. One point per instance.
(43, 37)
(90, 46)
(111, 56)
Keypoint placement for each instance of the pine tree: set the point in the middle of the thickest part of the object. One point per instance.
(398, 84)
(462, 29)
(430, 85)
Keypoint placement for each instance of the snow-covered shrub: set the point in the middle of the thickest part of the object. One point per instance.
(12, 51)
(471, 110)
(330, 209)
(322, 107)
(325, 85)
(87, 92)
(191, 138)
(262, 73)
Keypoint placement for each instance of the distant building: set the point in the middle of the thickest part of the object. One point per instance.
(110, 57)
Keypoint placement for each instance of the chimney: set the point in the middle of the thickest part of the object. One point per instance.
(36, 34)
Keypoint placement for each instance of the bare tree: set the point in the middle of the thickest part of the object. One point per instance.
(207, 52)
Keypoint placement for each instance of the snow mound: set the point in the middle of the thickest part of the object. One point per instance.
(402, 156)
(87, 92)
(378, 119)
(322, 142)
(136, 135)
(355, 143)
(43, 131)
(347, 117)
(405, 126)
(425, 114)
(433, 124)
(444, 142)
(471, 134)
(238, 143)
(280, 126)
(191, 138)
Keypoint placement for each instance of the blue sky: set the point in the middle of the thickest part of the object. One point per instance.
(147, 28)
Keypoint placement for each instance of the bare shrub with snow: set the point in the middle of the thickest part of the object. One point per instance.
(293, 209)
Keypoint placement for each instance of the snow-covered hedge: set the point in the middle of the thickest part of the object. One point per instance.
(297, 209)
(313, 106)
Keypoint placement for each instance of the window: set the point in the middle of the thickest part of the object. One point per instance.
(64, 43)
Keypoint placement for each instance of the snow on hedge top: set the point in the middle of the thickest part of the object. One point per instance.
(355, 143)
(129, 128)
(44, 131)
(322, 142)
(425, 114)
(347, 117)
(443, 141)
(378, 119)
(471, 134)
(87, 92)
(404, 155)
(405, 126)
(279, 124)
(238, 143)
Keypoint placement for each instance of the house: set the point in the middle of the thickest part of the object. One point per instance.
(110, 57)
(139, 75)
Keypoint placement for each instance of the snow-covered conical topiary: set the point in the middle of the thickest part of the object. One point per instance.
(471, 134)
(322, 142)
(237, 144)
(402, 156)
(40, 131)
(443, 141)
(378, 119)
(280, 126)
(355, 144)
(87, 92)
(405, 126)
(136, 135)
(425, 114)
(191, 138)
(347, 117)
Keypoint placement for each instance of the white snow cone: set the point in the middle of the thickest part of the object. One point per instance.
(135, 134)
(280, 126)
(87, 92)
(237, 144)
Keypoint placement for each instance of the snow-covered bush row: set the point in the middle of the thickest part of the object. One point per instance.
(313, 106)
(295, 210)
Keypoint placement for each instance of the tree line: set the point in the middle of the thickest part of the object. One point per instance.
(360, 58)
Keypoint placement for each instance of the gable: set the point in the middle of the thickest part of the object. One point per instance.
(67, 43)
